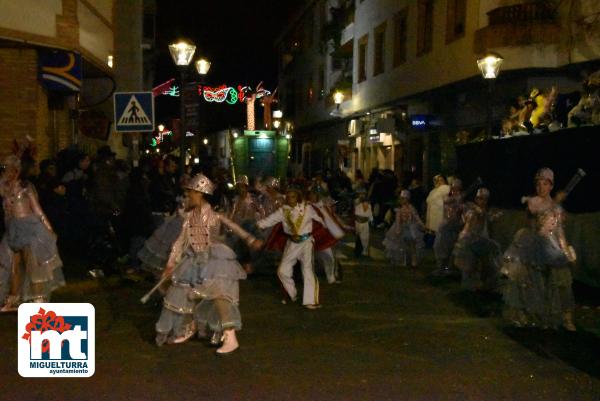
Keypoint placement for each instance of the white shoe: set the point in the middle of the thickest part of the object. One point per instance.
(230, 343)
(189, 332)
(11, 304)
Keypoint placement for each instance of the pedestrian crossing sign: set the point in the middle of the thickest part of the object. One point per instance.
(134, 112)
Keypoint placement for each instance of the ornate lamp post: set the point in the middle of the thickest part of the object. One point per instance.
(182, 53)
(489, 65)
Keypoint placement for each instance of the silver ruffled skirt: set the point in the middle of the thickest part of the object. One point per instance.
(155, 252)
(211, 277)
(398, 245)
(42, 264)
(538, 291)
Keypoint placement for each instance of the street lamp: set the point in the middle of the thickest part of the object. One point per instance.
(182, 53)
(489, 65)
(202, 66)
(338, 98)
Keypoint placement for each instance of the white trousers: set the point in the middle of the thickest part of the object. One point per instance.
(362, 230)
(299, 252)
(326, 259)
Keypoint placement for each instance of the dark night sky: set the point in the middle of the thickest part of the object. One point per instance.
(237, 36)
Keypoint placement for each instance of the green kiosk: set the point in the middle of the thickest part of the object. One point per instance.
(260, 153)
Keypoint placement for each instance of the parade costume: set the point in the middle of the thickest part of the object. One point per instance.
(404, 240)
(269, 200)
(202, 267)
(156, 250)
(448, 232)
(297, 229)
(30, 266)
(476, 255)
(326, 257)
(245, 212)
(538, 291)
(363, 216)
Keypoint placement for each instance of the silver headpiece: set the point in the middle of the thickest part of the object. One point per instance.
(272, 182)
(200, 183)
(545, 174)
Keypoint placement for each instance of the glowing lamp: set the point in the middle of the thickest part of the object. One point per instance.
(196, 160)
(276, 124)
(288, 136)
(235, 134)
(338, 97)
(161, 127)
(182, 53)
(202, 66)
(109, 60)
(205, 141)
(277, 114)
(489, 65)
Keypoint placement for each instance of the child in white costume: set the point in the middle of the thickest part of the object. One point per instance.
(363, 216)
(297, 219)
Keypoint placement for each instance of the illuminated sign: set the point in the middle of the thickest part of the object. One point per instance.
(424, 121)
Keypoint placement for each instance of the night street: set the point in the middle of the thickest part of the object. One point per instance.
(385, 333)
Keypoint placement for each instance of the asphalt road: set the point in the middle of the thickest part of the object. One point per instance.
(385, 333)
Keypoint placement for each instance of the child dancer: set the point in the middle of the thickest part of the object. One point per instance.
(538, 292)
(448, 231)
(326, 257)
(30, 267)
(363, 216)
(404, 239)
(201, 266)
(475, 247)
(297, 219)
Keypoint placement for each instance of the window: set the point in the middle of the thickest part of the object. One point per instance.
(362, 58)
(379, 64)
(425, 27)
(400, 22)
(455, 19)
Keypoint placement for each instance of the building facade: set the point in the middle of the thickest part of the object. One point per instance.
(61, 61)
(409, 79)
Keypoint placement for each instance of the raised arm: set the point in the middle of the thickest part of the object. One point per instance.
(37, 209)
(236, 229)
(271, 220)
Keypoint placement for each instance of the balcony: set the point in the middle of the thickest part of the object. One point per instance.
(519, 25)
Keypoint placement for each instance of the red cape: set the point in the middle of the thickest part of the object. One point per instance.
(323, 239)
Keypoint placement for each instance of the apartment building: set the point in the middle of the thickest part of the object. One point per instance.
(408, 74)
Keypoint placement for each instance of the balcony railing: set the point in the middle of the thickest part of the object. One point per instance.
(522, 13)
(519, 25)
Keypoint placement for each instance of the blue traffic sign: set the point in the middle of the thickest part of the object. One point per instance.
(134, 112)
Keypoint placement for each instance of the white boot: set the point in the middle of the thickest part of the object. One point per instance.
(230, 342)
(11, 304)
